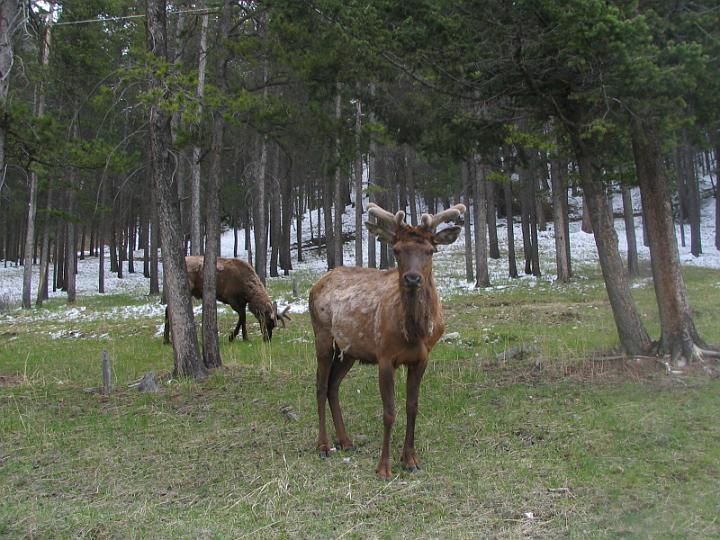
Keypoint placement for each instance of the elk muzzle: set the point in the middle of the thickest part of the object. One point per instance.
(412, 280)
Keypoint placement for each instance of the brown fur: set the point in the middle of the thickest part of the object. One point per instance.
(237, 286)
(380, 317)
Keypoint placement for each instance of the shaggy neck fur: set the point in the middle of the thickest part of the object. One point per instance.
(419, 310)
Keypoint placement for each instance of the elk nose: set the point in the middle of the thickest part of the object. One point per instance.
(412, 280)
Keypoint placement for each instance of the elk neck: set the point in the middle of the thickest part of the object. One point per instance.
(419, 309)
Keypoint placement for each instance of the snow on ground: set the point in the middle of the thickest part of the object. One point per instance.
(449, 267)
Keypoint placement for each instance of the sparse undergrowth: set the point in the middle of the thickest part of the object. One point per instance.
(549, 442)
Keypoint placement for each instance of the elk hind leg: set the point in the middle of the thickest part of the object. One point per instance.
(325, 356)
(340, 367)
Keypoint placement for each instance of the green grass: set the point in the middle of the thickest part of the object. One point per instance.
(591, 449)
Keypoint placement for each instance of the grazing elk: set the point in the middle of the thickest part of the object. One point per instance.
(238, 286)
(390, 318)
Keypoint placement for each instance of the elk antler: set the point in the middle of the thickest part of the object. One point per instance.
(388, 219)
(430, 222)
(282, 317)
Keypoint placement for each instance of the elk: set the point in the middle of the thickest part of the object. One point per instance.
(238, 286)
(389, 318)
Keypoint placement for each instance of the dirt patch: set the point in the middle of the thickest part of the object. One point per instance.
(7, 381)
(616, 369)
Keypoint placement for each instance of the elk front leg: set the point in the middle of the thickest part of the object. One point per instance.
(240, 308)
(414, 376)
(387, 391)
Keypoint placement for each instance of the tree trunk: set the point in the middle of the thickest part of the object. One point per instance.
(679, 338)
(493, 244)
(693, 195)
(469, 274)
(184, 337)
(586, 225)
(9, 13)
(633, 337)
(358, 187)
(512, 262)
(196, 245)
(44, 253)
(480, 215)
(286, 225)
(559, 194)
(632, 255)
(274, 211)
(101, 257)
(525, 211)
(410, 180)
(259, 217)
(211, 345)
(71, 248)
(299, 220)
(154, 245)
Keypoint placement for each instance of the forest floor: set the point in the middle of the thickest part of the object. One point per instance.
(561, 438)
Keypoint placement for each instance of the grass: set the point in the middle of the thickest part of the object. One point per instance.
(557, 444)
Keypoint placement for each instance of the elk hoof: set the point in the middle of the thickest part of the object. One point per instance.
(345, 446)
(411, 468)
(384, 471)
(324, 450)
(231, 337)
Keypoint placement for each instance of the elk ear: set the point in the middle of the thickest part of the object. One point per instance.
(381, 232)
(447, 236)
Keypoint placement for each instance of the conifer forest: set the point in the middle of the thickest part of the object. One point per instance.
(571, 146)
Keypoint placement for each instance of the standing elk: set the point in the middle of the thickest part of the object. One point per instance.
(389, 318)
(238, 286)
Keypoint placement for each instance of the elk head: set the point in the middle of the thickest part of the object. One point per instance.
(271, 318)
(414, 246)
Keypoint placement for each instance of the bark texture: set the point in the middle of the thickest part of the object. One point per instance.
(184, 338)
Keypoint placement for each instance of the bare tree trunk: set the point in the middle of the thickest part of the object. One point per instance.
(512, 263)
(632, 255)
(559, 193)
(274, 210)
(196, 245)
(633, 336)
(693, 195)
(248, 239)
(493, 244)
(679, 338)
(71, 248)
(525, 211)
(410, 181)
(717, 196)
(480, 215)
(299, 220)
(211, 345)
(9, 13)
(372, 239)
(259, 217)
(465, 173)
(287, 216)
(154, 246)
(101, 257)
(184, 338)
(44, 253)
(358, 188)
(586, 225)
